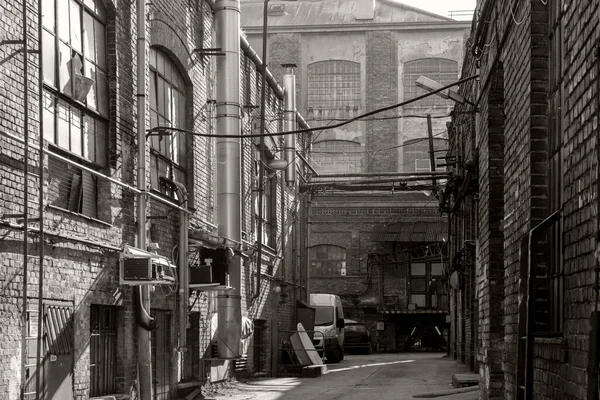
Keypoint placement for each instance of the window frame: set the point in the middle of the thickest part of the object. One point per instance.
(320, 272)
(341, 79)
(413, 69)
(168, 152)
(76, 142)
(427, 277)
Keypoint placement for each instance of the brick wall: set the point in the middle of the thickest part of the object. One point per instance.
(81, 253)
(382, 84)
(513, 150)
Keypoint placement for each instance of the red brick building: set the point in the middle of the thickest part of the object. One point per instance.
(88, 203)
(353, 57)
(523, 201)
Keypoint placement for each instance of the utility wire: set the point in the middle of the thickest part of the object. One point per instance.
(159, 131)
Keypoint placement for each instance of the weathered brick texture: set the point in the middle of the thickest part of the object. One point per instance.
(514, 189)
(81, 263)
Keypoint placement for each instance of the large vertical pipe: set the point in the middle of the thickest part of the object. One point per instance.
(227, 15)
(289, 104)
(25, 199)
(40, 204)
(143, 291)
(261, 167)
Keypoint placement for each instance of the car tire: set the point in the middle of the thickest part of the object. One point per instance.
(335, 356)
(370, 350)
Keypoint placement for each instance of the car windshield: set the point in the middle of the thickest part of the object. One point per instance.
(356, 328)
(323, 315)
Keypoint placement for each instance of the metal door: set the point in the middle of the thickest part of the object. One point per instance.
(161, 356)
(56, 380)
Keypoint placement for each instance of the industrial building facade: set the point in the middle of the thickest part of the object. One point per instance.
(75, 99)
(381, 250)
(523, 204)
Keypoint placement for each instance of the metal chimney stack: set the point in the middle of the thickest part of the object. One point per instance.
(227, 16)
(289, 120)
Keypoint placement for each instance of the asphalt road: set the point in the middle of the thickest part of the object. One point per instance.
(359, 377)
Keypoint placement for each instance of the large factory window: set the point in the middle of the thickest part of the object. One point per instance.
(439, 69)
(334, 84)
(167, 108)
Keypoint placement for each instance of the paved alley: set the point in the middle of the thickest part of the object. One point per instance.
(377, 376)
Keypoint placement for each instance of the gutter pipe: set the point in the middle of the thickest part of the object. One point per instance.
(145, 322)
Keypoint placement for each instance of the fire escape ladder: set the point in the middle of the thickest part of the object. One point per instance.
(527, 301)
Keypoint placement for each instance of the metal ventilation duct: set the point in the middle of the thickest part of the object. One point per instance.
(289, 104)
(227, 16)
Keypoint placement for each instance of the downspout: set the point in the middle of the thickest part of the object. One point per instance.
(227, 16)
(534, 235)
(594, 345)
(184, 287)
(261, 158)
(142, 292)
(25, 201)
(40, 204)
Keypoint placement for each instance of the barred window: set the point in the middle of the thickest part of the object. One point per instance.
(334, 85)
(167, 108)
(440, 70)
(328, 260)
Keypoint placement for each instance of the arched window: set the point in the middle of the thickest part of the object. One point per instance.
(327, 260)
(439, 69)
(334, 84)
(337, 156)
(167, 108)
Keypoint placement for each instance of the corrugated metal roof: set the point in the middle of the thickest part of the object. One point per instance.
(424, 231)
(332, 12)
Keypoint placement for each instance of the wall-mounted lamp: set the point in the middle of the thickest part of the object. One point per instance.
(430, 85)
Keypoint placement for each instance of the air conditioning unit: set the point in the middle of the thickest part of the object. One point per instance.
(139, 267)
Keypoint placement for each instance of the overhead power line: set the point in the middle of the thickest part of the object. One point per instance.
(164, 130)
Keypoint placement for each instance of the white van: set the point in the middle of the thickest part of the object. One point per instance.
(329, 326)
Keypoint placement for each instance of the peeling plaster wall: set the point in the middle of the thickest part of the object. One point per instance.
(415, 45)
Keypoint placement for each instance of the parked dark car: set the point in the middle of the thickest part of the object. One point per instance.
(357, 338)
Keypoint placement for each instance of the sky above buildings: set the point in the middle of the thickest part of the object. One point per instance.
(441, 7)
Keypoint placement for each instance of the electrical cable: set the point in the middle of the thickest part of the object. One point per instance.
(159, 131)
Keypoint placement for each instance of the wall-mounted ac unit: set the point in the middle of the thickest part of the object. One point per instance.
(139, 267)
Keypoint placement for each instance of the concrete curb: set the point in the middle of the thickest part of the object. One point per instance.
(446, 392)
